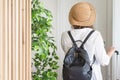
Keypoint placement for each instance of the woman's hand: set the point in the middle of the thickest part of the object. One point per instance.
(110, 51)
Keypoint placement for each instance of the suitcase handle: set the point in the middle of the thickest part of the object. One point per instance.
(117, 52)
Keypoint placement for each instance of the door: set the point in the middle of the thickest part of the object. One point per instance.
(116, 40)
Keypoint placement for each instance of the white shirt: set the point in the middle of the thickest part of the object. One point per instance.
(94, 46)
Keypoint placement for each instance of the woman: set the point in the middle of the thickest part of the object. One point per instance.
(82, 17)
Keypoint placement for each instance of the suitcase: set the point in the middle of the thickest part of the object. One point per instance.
(117, 66)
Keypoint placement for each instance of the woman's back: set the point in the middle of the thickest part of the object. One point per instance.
(94, 46)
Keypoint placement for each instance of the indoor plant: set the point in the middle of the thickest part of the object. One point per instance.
(45, 60)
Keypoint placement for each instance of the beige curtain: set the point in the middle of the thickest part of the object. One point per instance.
(15, 40)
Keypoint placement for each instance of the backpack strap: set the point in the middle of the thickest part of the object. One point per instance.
(87, 38)
(70, 35)
(93, 60)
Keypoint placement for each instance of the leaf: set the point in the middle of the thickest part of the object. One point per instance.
(43, 56)
(45, 64)
(49, 74)
(55, 67)
(50, 59)
(56, 57)
(53, 78)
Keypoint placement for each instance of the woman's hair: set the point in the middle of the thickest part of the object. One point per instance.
(80, 27)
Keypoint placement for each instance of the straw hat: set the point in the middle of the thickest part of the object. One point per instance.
(82, 14)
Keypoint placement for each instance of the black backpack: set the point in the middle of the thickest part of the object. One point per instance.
(76, 65)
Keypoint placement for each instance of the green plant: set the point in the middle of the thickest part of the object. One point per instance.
(45, 60)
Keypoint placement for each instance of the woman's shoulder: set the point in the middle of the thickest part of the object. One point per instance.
(81, 31)
(98, 33)
(64, 33)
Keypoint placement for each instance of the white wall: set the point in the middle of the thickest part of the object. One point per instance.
(60, 10)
